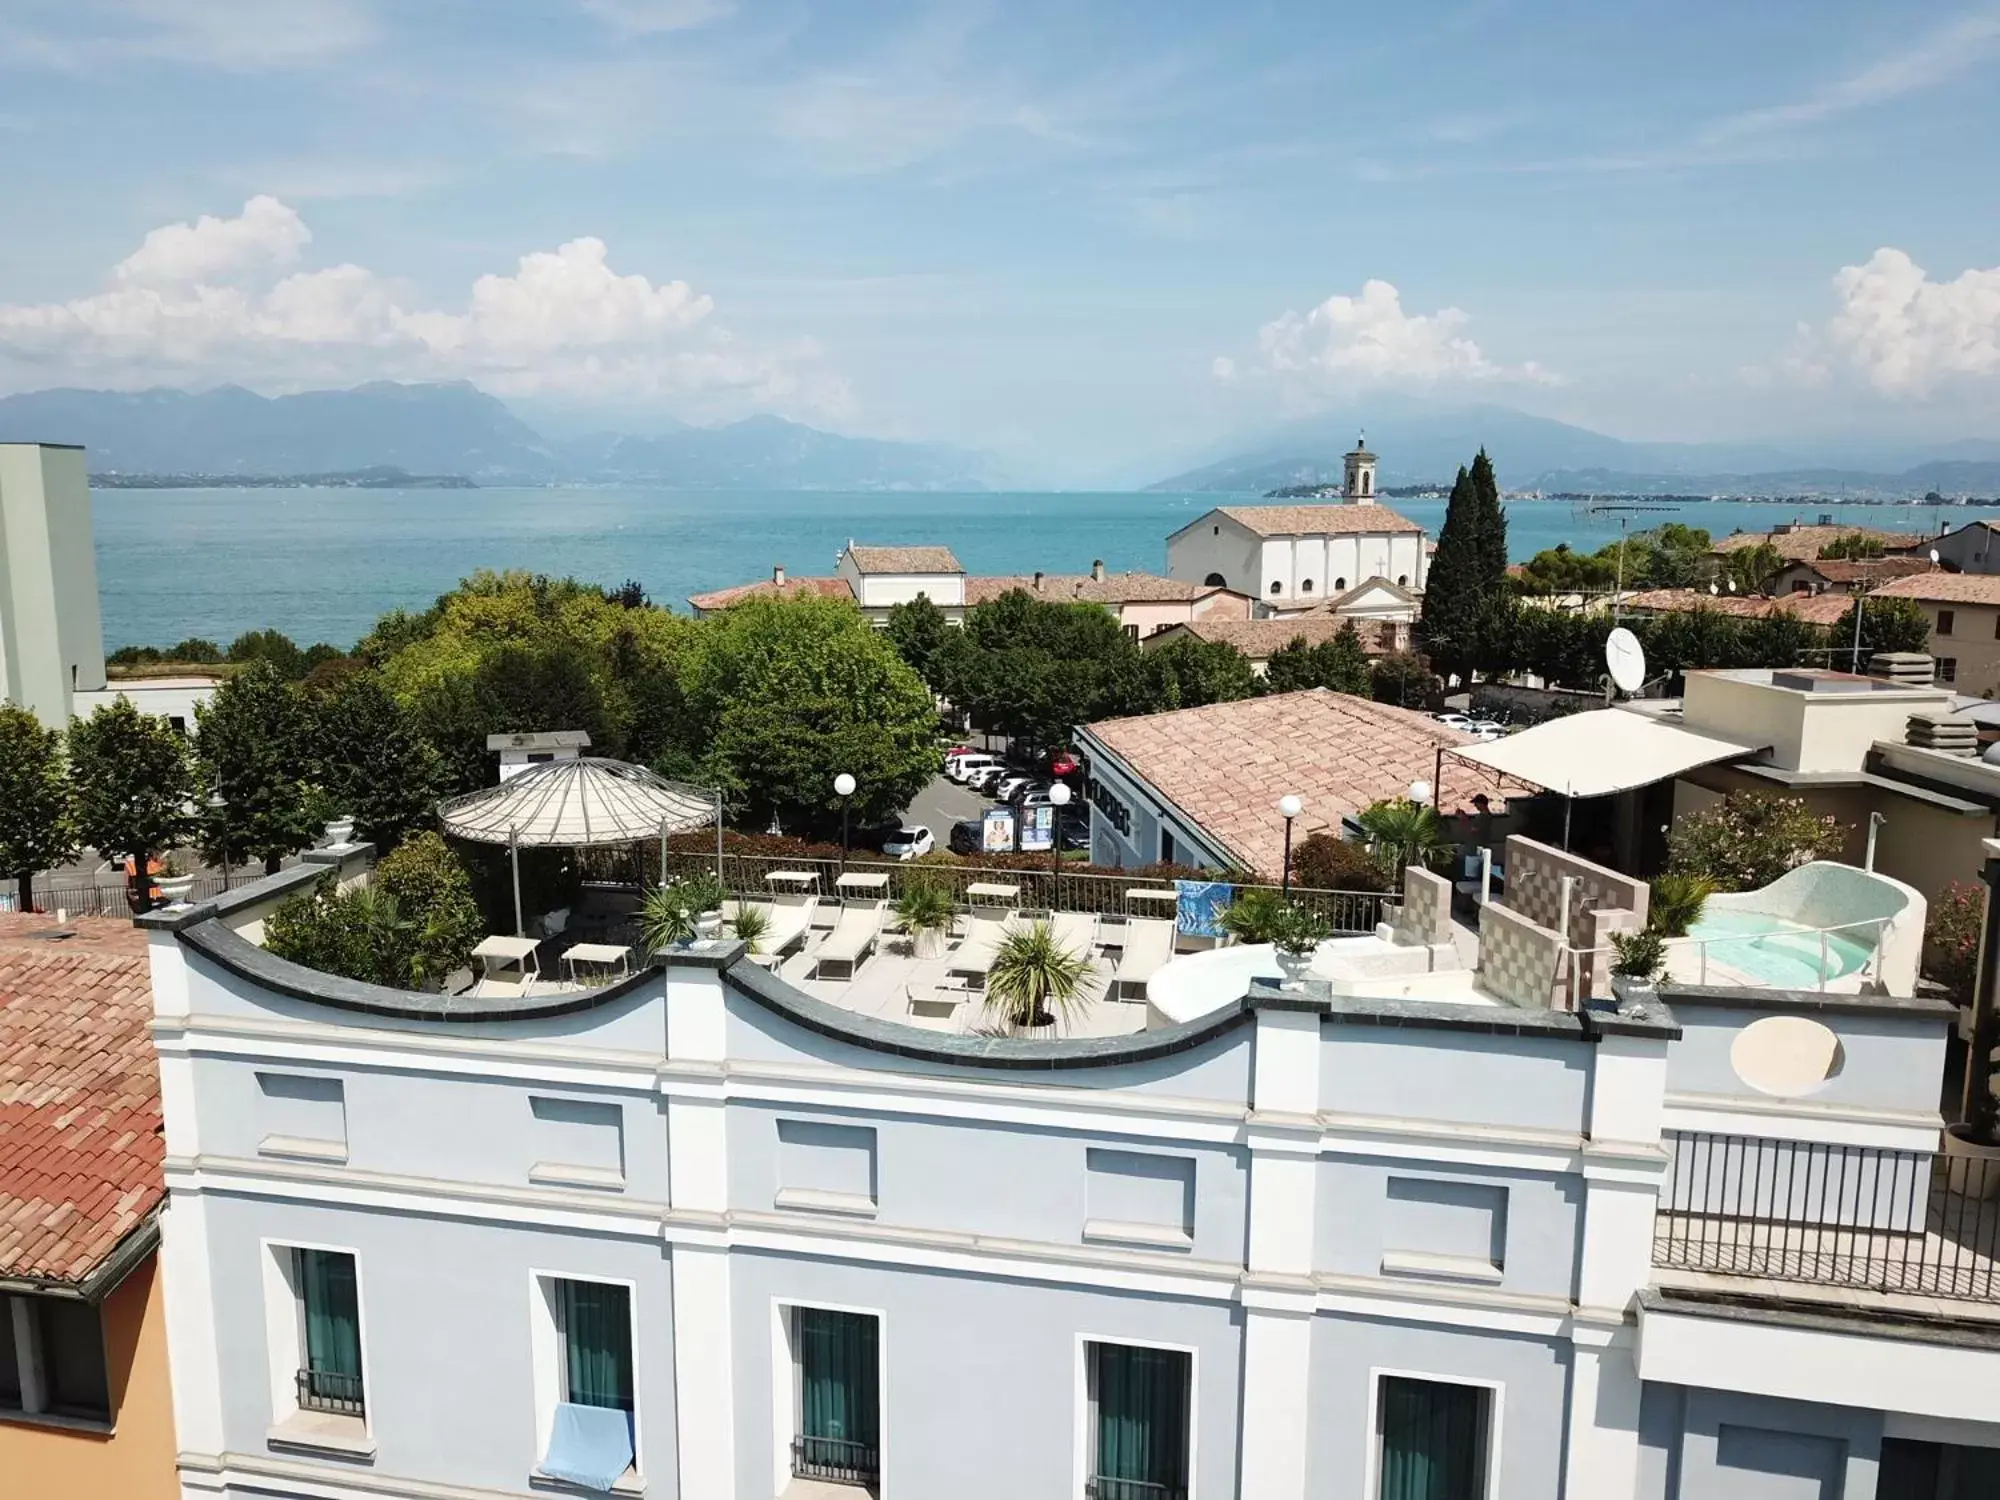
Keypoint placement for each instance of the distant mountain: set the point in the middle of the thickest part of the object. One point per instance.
(1421, 444)
(455, 429)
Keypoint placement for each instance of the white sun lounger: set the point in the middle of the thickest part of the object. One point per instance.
(1149, 943)
(983, 931)
(1076, 931)
(791, 918)
(853, 937)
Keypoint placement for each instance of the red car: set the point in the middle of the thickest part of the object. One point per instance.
(1062, 763)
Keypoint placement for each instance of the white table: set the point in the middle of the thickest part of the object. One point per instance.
(988, 890)
(1152, 893)
(604, 955)
(876, 883)
(798, 879)
(502, 951)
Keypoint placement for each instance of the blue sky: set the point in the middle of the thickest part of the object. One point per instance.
(1088, 236)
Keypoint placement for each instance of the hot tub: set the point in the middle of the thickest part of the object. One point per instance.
(1821, 926)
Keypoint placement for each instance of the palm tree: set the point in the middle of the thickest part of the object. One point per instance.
(1032, 972)
(1406, 833)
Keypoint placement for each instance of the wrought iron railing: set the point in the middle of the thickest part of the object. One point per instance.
(98, 899)
(1040, 887)
(838, 1459)
(1101, 1487)
(329, 1390)
(1864, 1217)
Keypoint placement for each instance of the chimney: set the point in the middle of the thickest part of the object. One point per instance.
(778, 575)
(1097, 570)
(1943, 733)
(1904, 668)
(1038, 580)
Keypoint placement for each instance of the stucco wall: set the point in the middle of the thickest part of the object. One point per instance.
(1215, 544)
(1457, 1078)
(1886, 1062)
(1972, 646)
(1698, 1444)
(135, 1460)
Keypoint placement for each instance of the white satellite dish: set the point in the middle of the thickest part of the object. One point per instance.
(1625, 659)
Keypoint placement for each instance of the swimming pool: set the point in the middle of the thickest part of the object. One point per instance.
(1774, 951)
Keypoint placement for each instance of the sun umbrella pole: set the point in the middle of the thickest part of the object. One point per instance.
(663, 852)
(514, 857)
(718, 835)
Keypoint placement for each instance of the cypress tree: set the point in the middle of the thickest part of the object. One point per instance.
(1455, 591)
(1492, 529)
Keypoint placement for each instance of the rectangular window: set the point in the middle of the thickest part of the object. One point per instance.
(1944, 622)
(1132, 631)
(596, 1343)
(1996, 627)
(836, 1370)
(1947, 669)
(329, 1377)
(52, 1359)
(1432, 1439)
(1167, 850)
(302, 1115)
(1139, 1422)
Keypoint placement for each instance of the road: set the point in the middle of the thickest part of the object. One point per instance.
(943, 803)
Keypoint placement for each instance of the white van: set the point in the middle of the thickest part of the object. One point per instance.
(964, 766)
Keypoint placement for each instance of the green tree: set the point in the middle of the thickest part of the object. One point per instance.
(1405, 833)
(1855, 546)
(131, 780)
(372, 761)
(410, 929)
(1192, 673)
(431, 888)
(272, 646)
(1405, 679)
(785, 694)
(1340, 662)
(1456, 594)
(1748, 839)
(917, 630)
(1751, 569)
(1491, 529)
(1886, 625)
(252, 748)
(36, 832)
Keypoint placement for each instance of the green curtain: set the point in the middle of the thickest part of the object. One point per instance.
(1142, 1401)
(1432, 1440)
(837, 1376)
(597, 1343)
(333, 1317)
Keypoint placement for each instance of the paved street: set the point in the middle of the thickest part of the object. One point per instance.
(943, 803)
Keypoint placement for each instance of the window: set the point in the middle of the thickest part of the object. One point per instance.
(1996, 627)
(1216, 529)
(1947, 669)
(1132, 632)
(1138, 1428)
(1305, 586)
(1276, 587)
(52, 1359)
(1167, 850)
(1402, 580)
(1944, 622)
(329, 1376)
(1367, 482)
(583, 1380)
(596, 1324)
(1340, 585)
(1914, 1470)
(1215, 580)
(1431, 1439)
(836, 1373)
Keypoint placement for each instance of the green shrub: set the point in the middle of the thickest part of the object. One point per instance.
(411, 928)
(1325, 862)
(1748, 839)
(1951, 938)
(1641, 955)
(429, 883)
(1677, 903)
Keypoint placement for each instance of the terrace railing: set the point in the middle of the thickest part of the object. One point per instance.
(104, 898)
(1807, 958)
(328, 1390)
(837, 1459)
(1349, 912)
(1859, 1217)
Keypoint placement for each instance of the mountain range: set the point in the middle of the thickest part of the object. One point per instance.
(1420, 443)
(457, 429)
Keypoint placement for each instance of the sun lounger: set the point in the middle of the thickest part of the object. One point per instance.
(1076, 931)
(1149, 943)
(853, 937)
(791, 918)
(983, 931)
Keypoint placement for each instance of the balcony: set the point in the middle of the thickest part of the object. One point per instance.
(329, 1391)
(835, 1459)
(1101, 1488)
(1830, 1222)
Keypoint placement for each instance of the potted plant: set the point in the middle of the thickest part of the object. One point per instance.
(926, 910)
(1641, 960)
(1677, 903)
(704, 896)
(751, 924)
(339, 831)
(1296, 934)
(1254, 916)
(1033, 978)
(673, 916)
(173, 883)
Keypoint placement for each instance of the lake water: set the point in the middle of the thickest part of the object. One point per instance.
(322, 565)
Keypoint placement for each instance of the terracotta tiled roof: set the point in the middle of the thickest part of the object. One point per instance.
(80, 1144)
(1316, 520)
(831, 588)
(1815, 609)
(1944, 588)
(1257, 639)
(1112, 588)
(1227, 765)
(1869, 570)
(903, 559)
(1802, 543)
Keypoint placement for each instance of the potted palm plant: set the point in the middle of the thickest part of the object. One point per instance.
(1296, 933)
(673, 916)
(750, 926)
(1404, 832)
(704, 896)
(1033, 979)
(1641, 960)
(926, 910)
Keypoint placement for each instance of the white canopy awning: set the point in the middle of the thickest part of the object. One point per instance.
(1603, 751)
(578, 803)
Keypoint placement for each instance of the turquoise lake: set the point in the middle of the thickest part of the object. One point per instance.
(322, 565)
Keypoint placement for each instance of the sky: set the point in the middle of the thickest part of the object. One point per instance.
(1093, 238)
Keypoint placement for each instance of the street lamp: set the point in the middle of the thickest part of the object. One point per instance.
(1059, 799)
(843, 784)
(1289, 807)
(1420, 792)
(219, 805)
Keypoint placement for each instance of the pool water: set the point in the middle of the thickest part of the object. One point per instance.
(1782, 954)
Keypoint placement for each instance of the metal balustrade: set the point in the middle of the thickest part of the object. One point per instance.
(838, 1459)
(329, 1390)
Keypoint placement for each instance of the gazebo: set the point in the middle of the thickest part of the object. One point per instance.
(579, 804)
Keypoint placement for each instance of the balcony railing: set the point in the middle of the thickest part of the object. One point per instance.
(327, 1390)
(1858, 1217)
(837, 1459)
(1099, 1487)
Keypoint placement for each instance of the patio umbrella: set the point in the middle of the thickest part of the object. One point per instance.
(576, 804)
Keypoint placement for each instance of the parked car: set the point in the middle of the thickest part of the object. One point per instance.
(1486, 729)
(1034, 794)
(1074, 833)
(966, 767)
(968, 837)
(1007, 787)
(909, 843)
(1454, 721)
(877, 836)
(1063, 763)
(985, 778)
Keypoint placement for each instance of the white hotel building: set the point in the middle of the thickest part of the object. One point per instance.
(711, 1233)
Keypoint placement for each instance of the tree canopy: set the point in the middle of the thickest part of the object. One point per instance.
(36, 829)
(253, 750)
(1467, 579)
(1340, 663)
(131, 782)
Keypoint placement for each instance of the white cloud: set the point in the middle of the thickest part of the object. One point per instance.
(1369, 340)
(640, 17)
(81, 36)
(217, 300)
(1907, 333)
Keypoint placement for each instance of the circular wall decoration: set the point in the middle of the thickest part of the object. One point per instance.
(1786, 1055)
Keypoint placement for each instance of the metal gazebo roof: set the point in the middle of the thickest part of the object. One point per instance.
(576, 804)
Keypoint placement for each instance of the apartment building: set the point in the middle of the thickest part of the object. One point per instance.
(699, 1233)
(1964, 611)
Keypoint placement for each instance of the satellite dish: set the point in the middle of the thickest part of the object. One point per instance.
(1625, 659)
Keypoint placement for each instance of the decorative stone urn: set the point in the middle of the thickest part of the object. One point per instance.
(708, 926)
(174, 889)
(929, 942)
(339, 833)
(1293, 966)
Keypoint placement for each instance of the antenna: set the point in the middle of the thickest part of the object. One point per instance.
(1625, 660)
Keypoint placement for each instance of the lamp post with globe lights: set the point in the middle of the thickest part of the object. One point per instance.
(1059, 795)
(1289, 807)
(843, 786)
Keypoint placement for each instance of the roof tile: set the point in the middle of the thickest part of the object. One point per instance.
(1943, 588)
(1318, 520)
